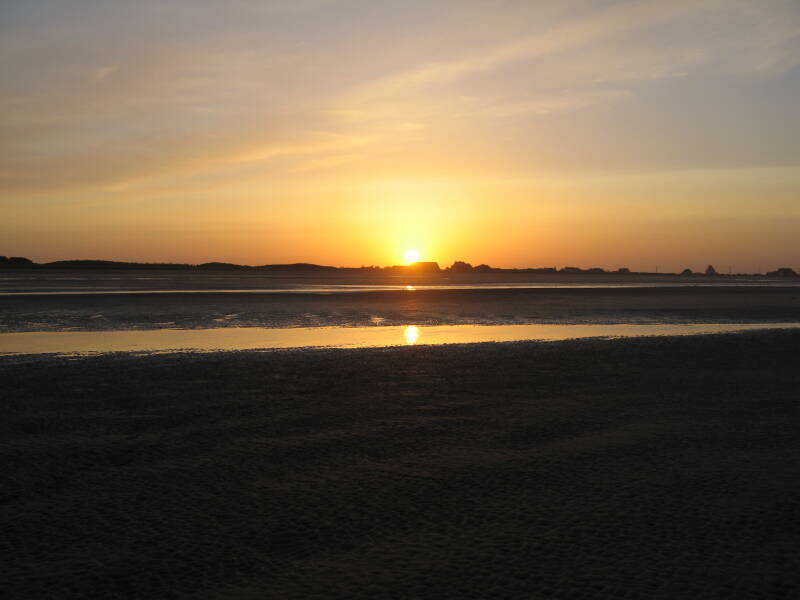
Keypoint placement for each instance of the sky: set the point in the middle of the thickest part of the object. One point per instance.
(639, 133)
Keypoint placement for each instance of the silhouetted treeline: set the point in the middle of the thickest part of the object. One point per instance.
(417, 268)
(16, 261)
(465, 267)
(783, 272)
(113, 264)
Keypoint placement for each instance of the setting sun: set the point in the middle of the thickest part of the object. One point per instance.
(412, 256)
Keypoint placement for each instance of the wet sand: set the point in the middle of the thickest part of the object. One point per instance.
(643, 468)
(722, 304)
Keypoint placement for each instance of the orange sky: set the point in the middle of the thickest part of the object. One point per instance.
(589, 133)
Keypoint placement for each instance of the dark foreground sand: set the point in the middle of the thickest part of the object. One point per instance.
(648, 468)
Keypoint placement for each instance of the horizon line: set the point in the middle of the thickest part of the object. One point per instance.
(428, 267)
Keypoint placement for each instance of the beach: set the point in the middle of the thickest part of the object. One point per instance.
(638, 468)
(452, 300)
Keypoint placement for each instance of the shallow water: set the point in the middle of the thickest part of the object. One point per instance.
(259, 338)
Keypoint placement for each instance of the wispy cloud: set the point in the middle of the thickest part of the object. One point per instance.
(143, 95)
(102, 72)
(614, 19)
(557, 103)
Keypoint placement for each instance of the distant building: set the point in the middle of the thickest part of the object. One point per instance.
(424, 267)
(415, 268)
(711, 271)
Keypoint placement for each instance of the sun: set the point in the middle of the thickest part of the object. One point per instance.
(412, 256)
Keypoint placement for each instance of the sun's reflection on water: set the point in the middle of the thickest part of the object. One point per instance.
(256, 338)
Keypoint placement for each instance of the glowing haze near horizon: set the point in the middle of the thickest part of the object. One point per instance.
(518, 133)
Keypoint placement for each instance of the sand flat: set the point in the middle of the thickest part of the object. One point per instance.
(647, 468)
(428, 307)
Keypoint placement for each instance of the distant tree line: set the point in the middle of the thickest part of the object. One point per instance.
(16, 262)
(458, 266)
(465, 267)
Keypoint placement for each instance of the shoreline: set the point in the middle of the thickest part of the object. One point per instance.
(643, 468)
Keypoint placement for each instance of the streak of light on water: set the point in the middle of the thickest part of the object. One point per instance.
(259, 338)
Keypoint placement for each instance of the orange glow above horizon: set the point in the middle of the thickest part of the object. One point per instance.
(530, 137)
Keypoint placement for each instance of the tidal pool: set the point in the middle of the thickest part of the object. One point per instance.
(261, 338)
